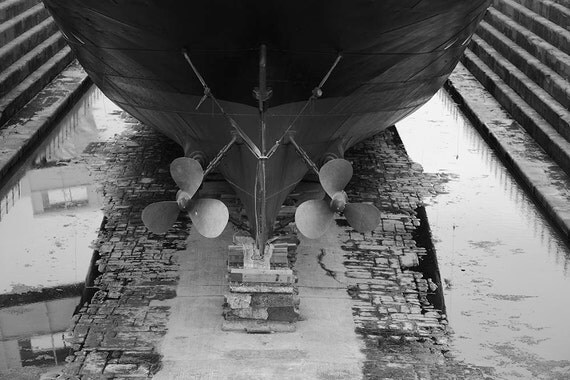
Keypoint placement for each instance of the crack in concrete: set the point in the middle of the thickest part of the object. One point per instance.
(329, 272)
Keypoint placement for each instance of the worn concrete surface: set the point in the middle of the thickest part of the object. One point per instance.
(502, 264)
(32, 122)
(157, 311)
(324, 345)
(367, 304)
(115, 334)
(520, 54)
(545, 180)
(394, 280)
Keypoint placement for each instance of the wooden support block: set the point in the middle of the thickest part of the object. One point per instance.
(283, 314)
(277, 314)
(240, 287)
(279, 258)
(247, 313)
(238, 300)
(290, 247)
(235, 260)
(257, 327)
(274, 300)
(263, 297)
(262, 275)
(236, 257)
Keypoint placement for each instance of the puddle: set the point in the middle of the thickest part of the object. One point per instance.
(504, 268)
(49, 215)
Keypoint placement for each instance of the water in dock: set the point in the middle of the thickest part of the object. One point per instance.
(504, 267)
(50, 212)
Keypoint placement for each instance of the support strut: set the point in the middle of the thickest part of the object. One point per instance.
(208, 94)
(303, 154)
(262, 93)
(316, 93)
(212, 165)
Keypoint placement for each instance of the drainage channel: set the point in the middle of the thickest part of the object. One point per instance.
(504, 268)
(50, 213)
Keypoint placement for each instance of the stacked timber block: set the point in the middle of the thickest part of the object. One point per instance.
(263, 296)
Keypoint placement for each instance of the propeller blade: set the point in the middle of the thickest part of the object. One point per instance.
(362, 217)
(313, 218)
(160, 216)
(187, 173)
(335, 175)
(209, 216)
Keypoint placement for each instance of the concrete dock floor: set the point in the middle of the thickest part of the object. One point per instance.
(366, 305)
(324, 345)
(158, 311)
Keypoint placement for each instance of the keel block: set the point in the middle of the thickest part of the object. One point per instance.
(258, 327)
(262, 275)
(263, 297)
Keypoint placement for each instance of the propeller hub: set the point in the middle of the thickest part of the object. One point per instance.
(184, 200)
(338, 201)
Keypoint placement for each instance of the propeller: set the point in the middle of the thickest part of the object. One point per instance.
(314, 217)
(209, 216)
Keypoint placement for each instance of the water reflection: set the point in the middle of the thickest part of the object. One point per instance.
(31, 333)
(49, 215)
(503, 265)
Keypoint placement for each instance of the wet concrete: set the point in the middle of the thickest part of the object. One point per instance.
(28, 128)
(323, 346)
(49, 216)
(387, 280)
(543, 178)
(405, 335)
(124, 329)
(504, 267)
(116, 334)
(50, 208)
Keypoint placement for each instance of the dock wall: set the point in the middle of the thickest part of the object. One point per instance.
(520, 53)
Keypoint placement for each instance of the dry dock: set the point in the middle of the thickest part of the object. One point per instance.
(365, 302)
(371, 305)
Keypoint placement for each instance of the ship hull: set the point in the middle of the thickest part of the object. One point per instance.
(395, 56)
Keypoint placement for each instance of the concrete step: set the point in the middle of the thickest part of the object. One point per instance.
(533, 167)
(11, 29)
(533, 74)
(27, 64)
(565, 3)
(20, 46)
(545, 134)
(25, 91)
(30, 125)
(557, 13)
(549, 31)
(548, 54)
(11, 8)
(534, 95)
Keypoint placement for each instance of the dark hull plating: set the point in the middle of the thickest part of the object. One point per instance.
(396, 55)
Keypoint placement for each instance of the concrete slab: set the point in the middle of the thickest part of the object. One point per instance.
(37, 117)
(388, 329)
(546, 181)
(324, 345)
